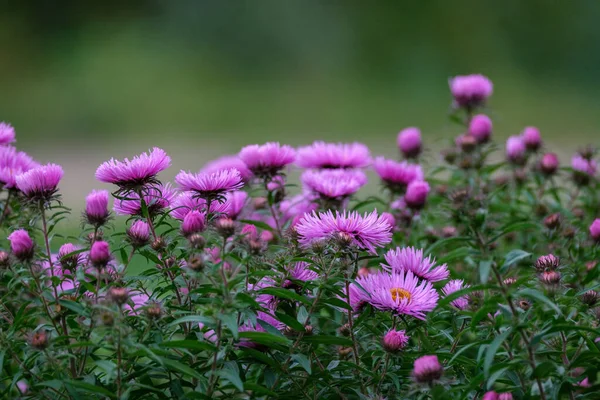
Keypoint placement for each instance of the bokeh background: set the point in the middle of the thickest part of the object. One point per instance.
(84, 81)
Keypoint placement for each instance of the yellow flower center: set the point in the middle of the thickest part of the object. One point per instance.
(400, 294)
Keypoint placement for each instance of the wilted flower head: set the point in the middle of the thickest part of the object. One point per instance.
(427, 369)
(7, 133)
(532, 138)
(397, 175)
(193, 222)
(157, 199)
(226, 163)
(67, 259)
(333, 155)
(453, 286)
(21, 244)
(96, 207)
(139, 233)
(40, 183)
(549, 163)
(210, 186)
(470, 90)
(366, 231)
(398, 292)
(334, 183)
(409, 142)
(394, 341)
(413, 260)
(100, 254)
(515, 150)
(13, 163)
(267, 159)
(595, 230)
(135, 173)
(416, 194)
(480, 128)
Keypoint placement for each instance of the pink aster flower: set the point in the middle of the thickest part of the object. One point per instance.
(100, 254)
(366, 231)
(267, 159)
(334, 183)
(235, 202)
(394, 341)
(96, 207)
(515, 150)
(300, 272)
(297, 206)
(23, 386)
(40, 183)
(583, 165)
(470, 90)
(139, 233)
(549, 163)
(397, 175)
(409, 142)
(157, 199)
(595, 230)
(231, 207)
(21, 244)
(135, 173)
(333, 155)
(193, 222)
(400, 293)
(7, 133)
(480, 128)
(13, 163)
(413, 260)
(427, 369)
(532, 138)
(453, 286)
(210, 186)
(416, 194)
(225, 163)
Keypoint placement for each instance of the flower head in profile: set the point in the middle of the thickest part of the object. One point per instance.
(21, 244)
(409, 142)
(227, 162)
(595, 230)
(480, 128)
(7, 133)
(333, 155)
(470, 91)
(416, 194)
(300, 272)
(210, 186)
(532, 138)
(394, 341)
(13, 163)
(453, 286)
(96, 208)
(231, 206)
(40, 183)
(413, 260)
(298, 205)
(397, 175)
(333, 183)
(268, 159)
(515, 150)
(401, 293)
(134, 174)
(583, 169)
(157, 198)
(139, 234)
(427, 369)
(366, 232)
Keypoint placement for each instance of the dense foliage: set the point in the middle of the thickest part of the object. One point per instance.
(476, 279)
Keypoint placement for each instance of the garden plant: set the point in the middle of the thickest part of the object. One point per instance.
(468, 275)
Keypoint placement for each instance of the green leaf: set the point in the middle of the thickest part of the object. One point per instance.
(514, 256)
(443, 242)
(182, 368)
(285, 294)
(254, 387)
(515, 226)
(494, 377)
(77, 308)
(327, 339)
(290, 321)
(484, 270)
(189, 344)
(264, 338)
(337, 303)
(539, 296)
(88, 387)
(231, 323)
(231, 374)
(303, 361)
(492, 349)
(192, 318)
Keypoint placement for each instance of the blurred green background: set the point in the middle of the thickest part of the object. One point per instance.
(85, 81)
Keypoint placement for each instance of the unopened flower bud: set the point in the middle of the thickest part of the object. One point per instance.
(96, 208)
(416, 194)
(153, 311)
(345, 330)
(550, 278)
(524, 304)
(427, 369)
(195, 264)
(225, 227)
(193, 222)
(196, 241)
(21, 245)
(480, 128)
(590, 265)
(552, 221)
(409, 142)
(549, 164)
(449, 156)
(139, 234)
(510, 281)
(259, 203)
(158, 244)
(394, 341)
(344, 239)
(590, 298)
(118, 295)
(344, 351)
(100, 254)
(363, 272)
(468, 143)
(532, 138)
(515, 150)
(594, 230)
(67, 259)
(4, 259)
(39, 340)
(107, 319)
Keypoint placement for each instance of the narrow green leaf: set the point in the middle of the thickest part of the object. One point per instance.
(492, 349)
(539, 296)
(182, 368)
(303, 361)
(484, 270)
(189, 344)
(88, 387)
(329, 340)
(285, 294)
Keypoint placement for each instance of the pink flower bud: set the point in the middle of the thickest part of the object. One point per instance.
(491, 395)
(427, 369)
(139, 233)
(100, 254)
(481, 128)
(96, 207)
(21, 244)
(409, 142)
(416, 194)
(68, 260)
(594, 230)
(394, 341)
(470, 91)
(549, 163)
(532, 138)
(193, 222)
(515, 150)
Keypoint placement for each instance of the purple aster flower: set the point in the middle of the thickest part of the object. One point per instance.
(7, 133)
(480, 128)
(235, 202)
(297, 206)
(427, 369)
(139, 234)
(595, 230)
(96, 207)
(100, 254)
(409, 142)
(210, 186)
(13, 163)
(413, 260)
(470, 90)
(193, 222)
(366, 232)
(397, 175)
(334, 183)
(549, 163)
(333, 155)
(187, 201)
(300, 272)
(532, 138)
(225, 163)
(136, 173)
(583, 165)
(400, 293)
(394, 341)
(267, 159)
(515, 150)
(157, 199)
(416, 194)
(453, 286)
(40, 183)
(21, 244)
